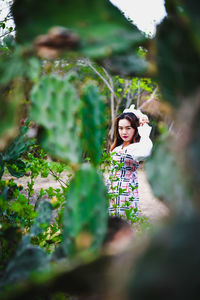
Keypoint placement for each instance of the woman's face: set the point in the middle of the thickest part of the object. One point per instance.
(126, 132)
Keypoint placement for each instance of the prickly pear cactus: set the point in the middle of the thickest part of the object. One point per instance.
(18, 146)
(177, 60)
(162, 179)
(43, 219)
(55, 106)
(11, 156)
(93, 118)
(99, 33)
(85, 214)
(102, 30)
(28, 259)
(9, 112)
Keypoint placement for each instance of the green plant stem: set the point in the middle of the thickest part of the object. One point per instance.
(56, 177)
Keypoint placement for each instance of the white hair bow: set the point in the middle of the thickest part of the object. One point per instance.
(136, 112)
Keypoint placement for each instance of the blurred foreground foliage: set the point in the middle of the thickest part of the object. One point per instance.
(63, 109)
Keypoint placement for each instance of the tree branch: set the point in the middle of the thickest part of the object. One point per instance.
(138, 95)
(95, 70)
(149, 100)
(6, 33)
(112, 105)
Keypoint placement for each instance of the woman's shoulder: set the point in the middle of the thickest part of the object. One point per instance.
(132, 146)
(116, 149)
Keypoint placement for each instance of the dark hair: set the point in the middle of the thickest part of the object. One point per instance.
(131, 117)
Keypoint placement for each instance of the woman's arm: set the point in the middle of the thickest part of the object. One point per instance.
(143, 149)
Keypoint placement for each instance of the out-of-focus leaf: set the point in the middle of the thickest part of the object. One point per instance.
(166, 181)
(28, 258)
(192, 11)
(2, 163)
(126, 65)
(18, 64)
(43, 219)
(93, 119)
(10, 98)
(177, 58)
(17, 168)
(171, 260)
(10, 156)
(97, 29)
(84, 275)
(193, 152)
(9, 41)
(34, 68)
(12, 66)
(85, 214)
(4, 194)
(18, 146)
(93, 19)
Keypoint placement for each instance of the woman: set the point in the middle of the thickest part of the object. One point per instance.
(131, 145)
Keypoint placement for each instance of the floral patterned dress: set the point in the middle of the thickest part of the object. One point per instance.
(123, 180)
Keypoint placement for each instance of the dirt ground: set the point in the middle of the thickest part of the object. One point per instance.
(150, 206)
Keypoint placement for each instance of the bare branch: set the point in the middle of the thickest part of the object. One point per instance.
(95, 70)
(117, 105)
(110, 86)
(139, 90)
(128, 95)
(8, 32)
(56, 177)
(112, 105)
(149, 100)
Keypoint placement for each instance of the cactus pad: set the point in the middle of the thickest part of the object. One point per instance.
(85, 214)
(93, 118)
(55, 106)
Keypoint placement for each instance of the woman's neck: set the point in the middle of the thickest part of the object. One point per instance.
(125, 144)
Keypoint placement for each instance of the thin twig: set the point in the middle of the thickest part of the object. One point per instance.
(149, 100)
(56, 177)
(171, 126)
(129, 94)
(95, 70)
(6, 33)
(112, 105)
(138, 96)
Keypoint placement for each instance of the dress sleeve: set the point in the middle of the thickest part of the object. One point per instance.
(142, 150)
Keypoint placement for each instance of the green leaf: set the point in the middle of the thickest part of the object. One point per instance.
(17, 168)
(28, 258)
(4, 194)
(34, 68)
(43, 219)
(7, 71)
(9, 113)
(18, 146)
(1, 166)
(2, 25)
